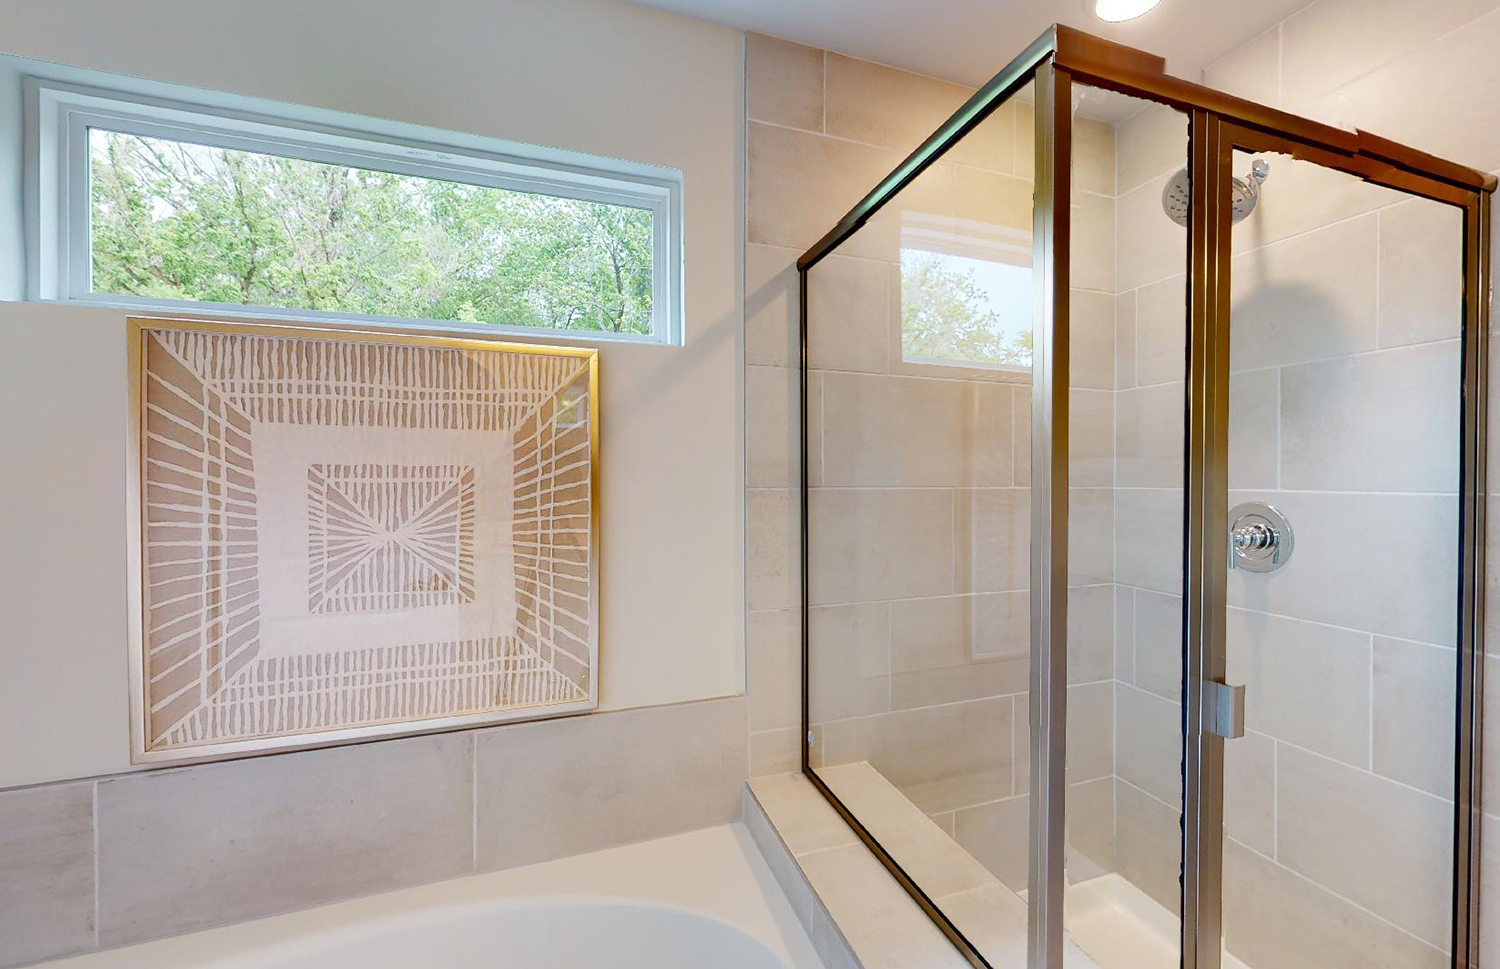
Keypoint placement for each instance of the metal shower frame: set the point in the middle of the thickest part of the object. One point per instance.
(1219, 124)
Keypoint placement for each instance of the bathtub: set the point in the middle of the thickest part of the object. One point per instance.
(699, 899)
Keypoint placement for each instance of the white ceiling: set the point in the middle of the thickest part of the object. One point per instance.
(969, 40)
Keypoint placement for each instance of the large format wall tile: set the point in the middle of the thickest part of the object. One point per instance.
(1150, 143)
(953, 631)
(908, 431)
(996, 835)
(794, 210)
(1150, 246)
(1091, 827)
(1305, 683)
(884, 106)
(1253, 71)
(1158, 644)
(1148, 844)
(550, 789)
(1414, 100)
(876, 543)
(992, 535)
(773, 454)
(46, 872)
(1301, 197)
(849, 314)
(1275, 917)
(1125, 340)
(773, 668)
(185, 849)
(1414, 712)
(1091, 433)
(849, 661)
(1254, 428)
(1408, 591)
(1091, 633)
(1307, 298)
(942, 757)
(1091, 536)
(1330, 43)
(1421, 272)
(1148, 538)
(1091, 341)
(1091, 731)
(1335, 825)
(1092, 250)
(1383, 421)
(783, 82)
(1148, 736)
(1093, 156)
(1250, 791)
(1161, 332)
(773, 577)
(772, 324)
(1149, 436)
(951, 648)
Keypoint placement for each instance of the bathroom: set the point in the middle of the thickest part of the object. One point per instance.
(805, 666)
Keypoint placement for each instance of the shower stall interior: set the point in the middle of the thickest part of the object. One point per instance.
(1143, 460)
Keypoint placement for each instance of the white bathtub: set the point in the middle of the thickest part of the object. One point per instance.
(686, 902)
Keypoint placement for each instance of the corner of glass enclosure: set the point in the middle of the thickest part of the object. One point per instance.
(955, 459)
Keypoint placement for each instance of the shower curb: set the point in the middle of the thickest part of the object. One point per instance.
(824, 868)
(827, 938)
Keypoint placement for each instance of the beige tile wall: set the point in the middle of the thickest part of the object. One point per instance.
(1343, 414)
(920, 516)
(139, 856)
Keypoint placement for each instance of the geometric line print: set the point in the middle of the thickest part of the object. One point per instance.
(378, 535)
(340, 383)
(296, 694)
(200, 567)
(389, 536)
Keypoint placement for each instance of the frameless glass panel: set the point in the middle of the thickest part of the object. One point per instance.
(1343, 477)
(920, 429)
(1125, 464)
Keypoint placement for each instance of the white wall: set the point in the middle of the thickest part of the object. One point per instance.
(636, 84)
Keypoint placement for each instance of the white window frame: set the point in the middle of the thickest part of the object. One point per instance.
(58, 224)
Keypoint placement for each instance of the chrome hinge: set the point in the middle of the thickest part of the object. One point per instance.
(1224, 709)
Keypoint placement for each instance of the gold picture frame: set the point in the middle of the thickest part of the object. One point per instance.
(342, 534)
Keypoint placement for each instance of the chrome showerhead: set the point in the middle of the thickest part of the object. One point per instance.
(1177, 195)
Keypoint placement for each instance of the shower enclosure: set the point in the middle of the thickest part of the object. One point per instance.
(1142, 527)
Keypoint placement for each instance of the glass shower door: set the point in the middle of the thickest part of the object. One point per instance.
(1345, 350)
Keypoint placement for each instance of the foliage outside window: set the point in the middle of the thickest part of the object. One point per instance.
(174, 220)
(963, 310)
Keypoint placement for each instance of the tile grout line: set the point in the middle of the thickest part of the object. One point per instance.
(473, 803)
(95, 796)
(1342, 898)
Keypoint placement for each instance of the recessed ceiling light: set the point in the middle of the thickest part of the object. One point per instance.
(1116, 11)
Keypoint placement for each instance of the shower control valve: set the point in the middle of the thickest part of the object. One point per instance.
(1260, 538)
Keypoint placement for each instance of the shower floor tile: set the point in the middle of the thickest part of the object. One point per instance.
(1122, 927)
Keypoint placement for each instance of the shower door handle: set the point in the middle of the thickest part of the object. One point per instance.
(1224, 709)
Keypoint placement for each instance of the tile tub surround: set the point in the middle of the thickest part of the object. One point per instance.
(133, 857)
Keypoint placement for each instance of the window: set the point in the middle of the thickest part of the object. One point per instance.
(966, 294)
(156, 204)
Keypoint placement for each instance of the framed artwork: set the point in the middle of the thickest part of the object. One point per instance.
(341, 535)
